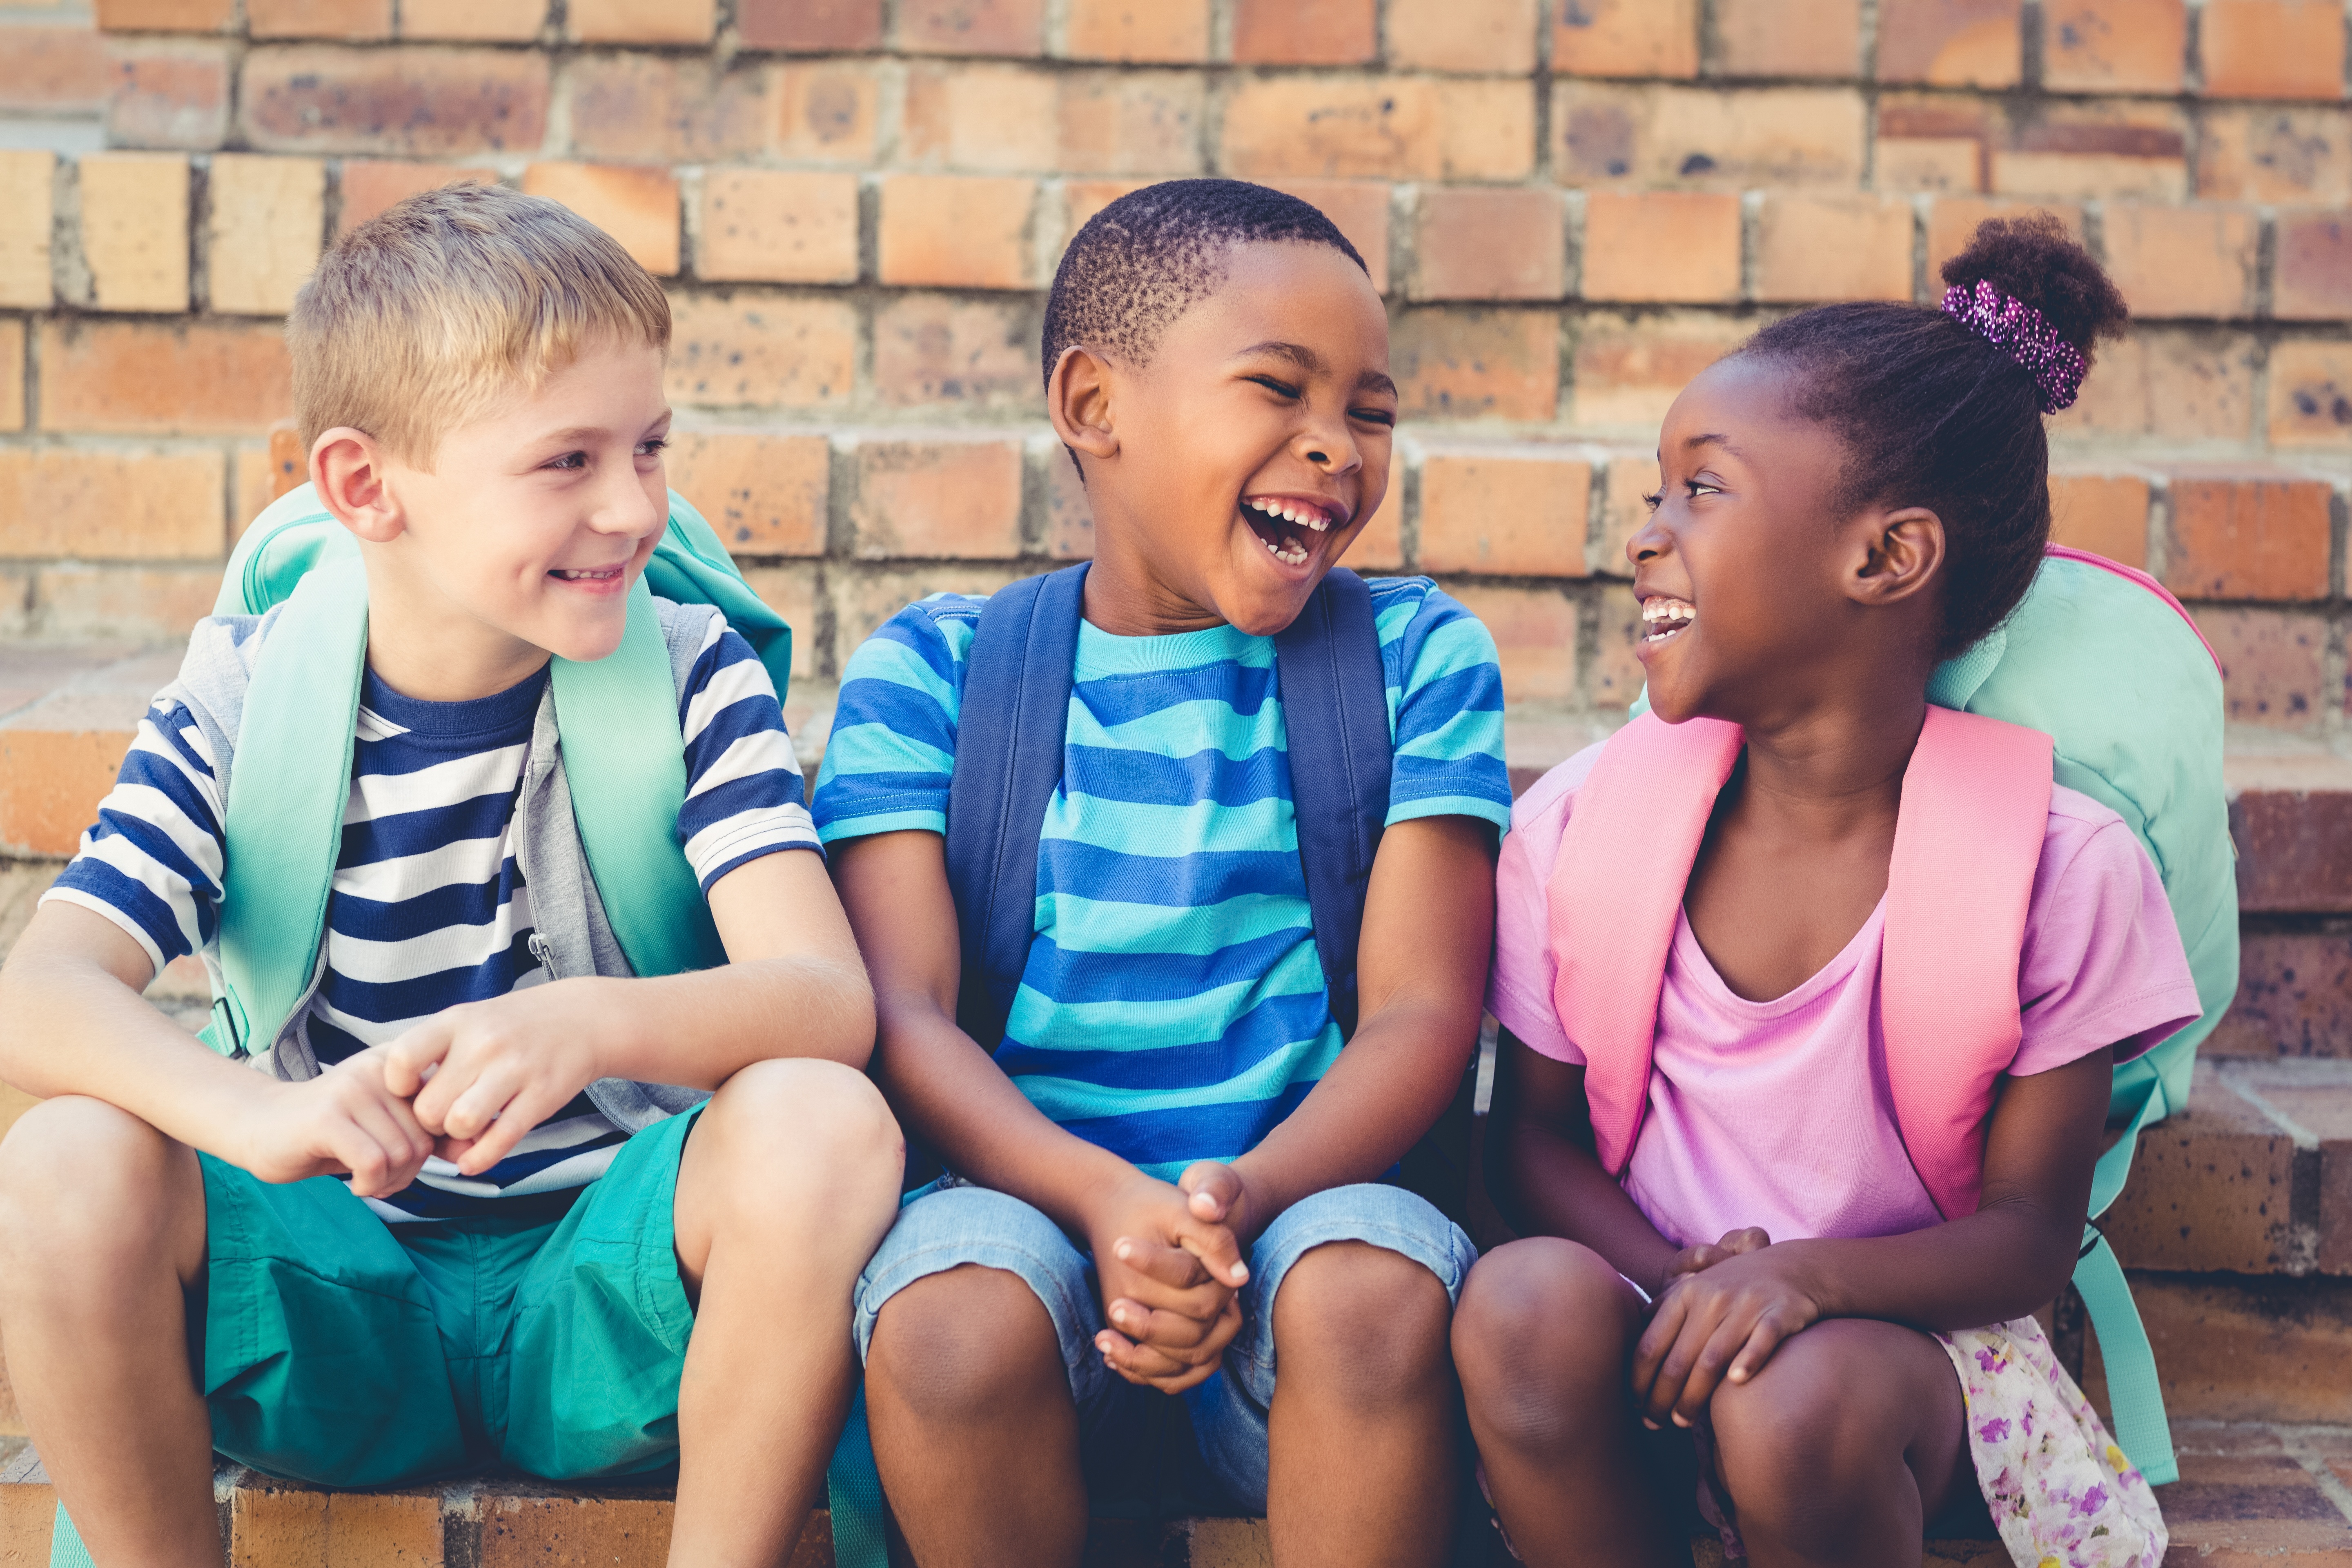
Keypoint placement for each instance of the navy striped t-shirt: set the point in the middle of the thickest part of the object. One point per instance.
(1173, 1007)
(428, 906)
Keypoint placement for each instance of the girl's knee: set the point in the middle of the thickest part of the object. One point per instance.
(1541, 1340)
(1824, 1415)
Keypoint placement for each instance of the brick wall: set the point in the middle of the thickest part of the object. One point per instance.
(1571, 206)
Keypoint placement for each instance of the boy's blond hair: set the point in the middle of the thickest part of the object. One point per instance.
(420, 319)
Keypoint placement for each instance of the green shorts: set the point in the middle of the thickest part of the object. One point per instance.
(343, 1351)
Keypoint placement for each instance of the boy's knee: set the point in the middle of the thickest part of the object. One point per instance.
(1541, 1338)
(803, 1129)
(80, 1174)
(1383, 1317)
(968, 1347)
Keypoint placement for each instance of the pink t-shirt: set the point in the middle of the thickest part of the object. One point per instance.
(1779, 1113)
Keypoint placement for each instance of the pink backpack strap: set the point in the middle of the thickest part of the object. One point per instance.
(1614, 898)
(1975, 803)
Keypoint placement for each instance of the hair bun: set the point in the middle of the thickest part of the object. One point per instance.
(2032, 259)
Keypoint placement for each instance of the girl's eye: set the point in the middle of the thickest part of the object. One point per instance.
(1653, 500)
(1280, 388)
(1700, 487)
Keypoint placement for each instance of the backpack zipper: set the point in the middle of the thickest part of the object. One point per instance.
(540, 949)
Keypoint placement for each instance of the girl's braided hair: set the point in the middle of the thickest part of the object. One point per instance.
(1934, 413)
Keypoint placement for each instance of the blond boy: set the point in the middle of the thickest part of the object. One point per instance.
(477, 1206)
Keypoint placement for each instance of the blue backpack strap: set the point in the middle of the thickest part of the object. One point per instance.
(1016, 683)
(1335, 708)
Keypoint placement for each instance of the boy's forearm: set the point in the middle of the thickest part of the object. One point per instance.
(698, 1030)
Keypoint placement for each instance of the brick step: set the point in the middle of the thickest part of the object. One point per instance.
(2249, 1493)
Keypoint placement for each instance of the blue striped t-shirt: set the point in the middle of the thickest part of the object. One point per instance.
(428, 906)
(1173, 1007)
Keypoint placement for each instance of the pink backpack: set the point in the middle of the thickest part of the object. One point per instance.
(1976, 802)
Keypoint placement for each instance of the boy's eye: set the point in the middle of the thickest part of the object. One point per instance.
(1372, 416)
(653, 448)
(1281, 388)
(569, 461)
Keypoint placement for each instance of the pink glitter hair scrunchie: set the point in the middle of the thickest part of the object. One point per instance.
(2016, 326)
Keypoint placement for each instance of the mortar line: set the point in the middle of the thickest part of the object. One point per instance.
(2303, 1137)
(2297, 1444)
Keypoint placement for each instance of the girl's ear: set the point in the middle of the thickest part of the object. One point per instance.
(1903, 554)
(1077, 400)
(348, 468)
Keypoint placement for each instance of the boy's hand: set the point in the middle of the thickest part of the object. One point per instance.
(1167, 1275)
(1720, 1316)
(344, 1121)
(481, 1075)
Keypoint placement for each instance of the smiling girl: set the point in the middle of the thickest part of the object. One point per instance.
(1793, 1179)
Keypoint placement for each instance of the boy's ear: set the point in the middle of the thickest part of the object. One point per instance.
(348, 468)
(1077, 400)
(1903, 550)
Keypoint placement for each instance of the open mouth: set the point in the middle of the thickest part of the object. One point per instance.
(1290, 527)
(1664, 619)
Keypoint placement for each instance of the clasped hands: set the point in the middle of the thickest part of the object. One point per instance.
(1169, 1259)
(1720, 1313)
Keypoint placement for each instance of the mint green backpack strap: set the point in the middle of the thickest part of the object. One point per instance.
(65, 1550)
(690, 566)
(2134, 1392)
(853, 1493)
(625, 766)
(285, 794)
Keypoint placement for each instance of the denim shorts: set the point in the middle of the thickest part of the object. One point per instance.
(946, 1226)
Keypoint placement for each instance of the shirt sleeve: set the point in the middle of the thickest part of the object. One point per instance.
(153, 862)
(891, 755)
(1445, 697)
(2101, 962)
(1520, 987)
(744, 794)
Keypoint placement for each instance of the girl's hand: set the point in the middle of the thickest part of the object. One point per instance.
(1691, 1259)
(1720, 1319)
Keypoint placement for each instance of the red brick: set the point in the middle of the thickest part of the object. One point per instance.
(669, 108)
(1816, 248)
(473, 21)
(790, 590)
(2114, 45)
(1626, 37)
(56, 69)
(972, 355)
(1082, 199)
(2311, 393)
(2104, 513)
(1380, 547)
(134, 230)
(165, 16)
(2232, 1349)
(2295, 997)
(1463, 35)
(986, 118)
(12, 374)
(2097, 148)
(369, 188)
(1305, 32)
(1952, 222)
(111, 505)
(167, 94)
(827, 111)
(28, 197)
(1629, 480)
(764, 492)
(636, 206)
(2314, 267)
(2271, 48)
(1130, 122)
(1490, 244)
(1069, 517)
(1453, 363)
(407, 99)
(1674, 245)
(862, 600)
(1358, 209)
(186, 377)
(1770, 38)
(2238, 535)
(2290, 812)
(1616, 676)
(810, 26)
(273, 1521)
(954, 497)
(2272, 664)
(641, 21)
(972, 26)
(1512, 511)
(536, 1532)
(957, 232)
(1628, 370)
(1174, 32)
(2196, 261)
(117, 600)
(762, 351)
(262, 232)
(1535, 636)
(2210, 1189)
(1399, 127)
(1706, 137)
(2174, 384)
(1951, 43)
(777, 226)
(356, 20)
(2272, 154)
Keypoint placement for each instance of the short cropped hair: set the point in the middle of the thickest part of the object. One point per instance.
(1155, 253)
(422, 317)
